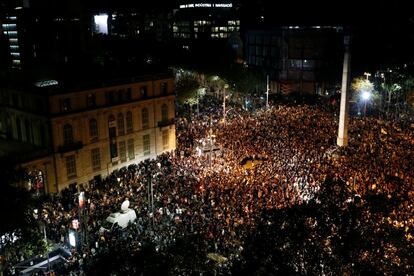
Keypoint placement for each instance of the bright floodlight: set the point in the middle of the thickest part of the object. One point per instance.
(101, 23)
(365, 95)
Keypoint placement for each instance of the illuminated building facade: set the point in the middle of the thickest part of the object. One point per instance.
(208, 29)
(10, 30)
(134, 23)
(297, 59)
(213, 20)
(85, 134)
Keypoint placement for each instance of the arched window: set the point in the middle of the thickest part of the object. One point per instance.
(145, 118)
(67, 134)
(121, 125)
(129, 126)
(164, 112)
(93, 128)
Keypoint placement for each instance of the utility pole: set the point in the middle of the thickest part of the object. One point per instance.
(267, 91)
(224, 103)
(342, 139)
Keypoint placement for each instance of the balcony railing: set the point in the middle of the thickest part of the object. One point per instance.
(167, 122)
(70, 147)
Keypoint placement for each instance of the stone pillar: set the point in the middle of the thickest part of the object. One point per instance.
(342, 139)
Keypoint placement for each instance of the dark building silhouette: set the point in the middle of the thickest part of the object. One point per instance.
(296, 58)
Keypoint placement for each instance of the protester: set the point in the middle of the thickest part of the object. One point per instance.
(292, 151)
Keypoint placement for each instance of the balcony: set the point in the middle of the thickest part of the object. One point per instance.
(167, 122)
(70, 147)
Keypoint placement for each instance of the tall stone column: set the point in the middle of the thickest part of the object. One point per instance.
(342, 139)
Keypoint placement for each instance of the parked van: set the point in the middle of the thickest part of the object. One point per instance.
(121, 219)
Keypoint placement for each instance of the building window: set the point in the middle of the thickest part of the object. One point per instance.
(93, 128)
(164, 112)
(96, 159)
(145, 118)
(110, 97)
(164, 88)
(71, 166)
(144, 91)
(91, 100)
(112, 136)
(146, 144)
(121, 126)
(122, 151)
(66, 105)
(165, 140)
(67, 134)
(129, 94)
(129, 122)
(120, 96)
(131, 149)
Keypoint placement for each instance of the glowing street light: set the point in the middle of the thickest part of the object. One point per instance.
(365, 96)
(224, 103)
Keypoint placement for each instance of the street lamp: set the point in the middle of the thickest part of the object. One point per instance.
(367, 75)
(224, 103)
(267, 91)
(365, 97)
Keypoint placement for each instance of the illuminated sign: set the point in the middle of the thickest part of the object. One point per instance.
(206, 5)
(72, 239)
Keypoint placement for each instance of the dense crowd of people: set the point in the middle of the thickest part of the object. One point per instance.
(292, 152)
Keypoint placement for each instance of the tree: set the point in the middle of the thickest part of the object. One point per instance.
(244, 80)
(187, 87)
(16, 207)
(360, 85)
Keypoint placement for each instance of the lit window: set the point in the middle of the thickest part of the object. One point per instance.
(93, 128)
(146, 144)
(91, 100)
(129, 122)
(66, 104)
(96, 159)
(165, 140)
(122, 151)
(145, 118)
(131, 149)
(67, 134)
(121, 125)
(71, 166)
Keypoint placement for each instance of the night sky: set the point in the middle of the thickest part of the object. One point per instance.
(383, 31)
